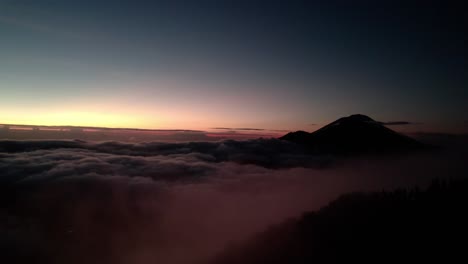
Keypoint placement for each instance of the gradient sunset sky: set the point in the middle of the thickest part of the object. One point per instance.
(252, 64)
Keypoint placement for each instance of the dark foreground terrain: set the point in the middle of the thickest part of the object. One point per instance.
(403, 226)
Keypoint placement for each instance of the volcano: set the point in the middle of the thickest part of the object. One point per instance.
(352, 135)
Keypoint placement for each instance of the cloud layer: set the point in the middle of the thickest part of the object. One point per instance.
(28, 161)
(114, 202)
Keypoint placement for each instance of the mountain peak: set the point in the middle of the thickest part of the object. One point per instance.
(353, 134)
(353, 119)
(359, 118)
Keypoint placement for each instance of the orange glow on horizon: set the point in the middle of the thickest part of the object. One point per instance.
(80, 118)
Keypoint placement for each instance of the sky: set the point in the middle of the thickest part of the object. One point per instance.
(251, 64)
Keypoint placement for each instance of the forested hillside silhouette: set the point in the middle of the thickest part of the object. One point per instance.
(401, 226)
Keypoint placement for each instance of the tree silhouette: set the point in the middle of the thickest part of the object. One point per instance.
(380, 227)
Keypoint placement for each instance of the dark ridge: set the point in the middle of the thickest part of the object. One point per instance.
(355, 134)
(409, 226)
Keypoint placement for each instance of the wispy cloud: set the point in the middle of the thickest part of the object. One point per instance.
(398, 123)
(240, 128)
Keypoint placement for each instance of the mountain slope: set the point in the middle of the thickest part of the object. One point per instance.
(409, 226)
(353, 134)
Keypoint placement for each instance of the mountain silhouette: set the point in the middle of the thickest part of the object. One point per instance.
(354, 134)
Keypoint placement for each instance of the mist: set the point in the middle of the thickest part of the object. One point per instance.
(87, 202)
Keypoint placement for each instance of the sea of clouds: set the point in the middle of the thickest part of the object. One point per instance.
(114, 202)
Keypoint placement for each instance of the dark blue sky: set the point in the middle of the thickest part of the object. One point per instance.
(198, 64)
